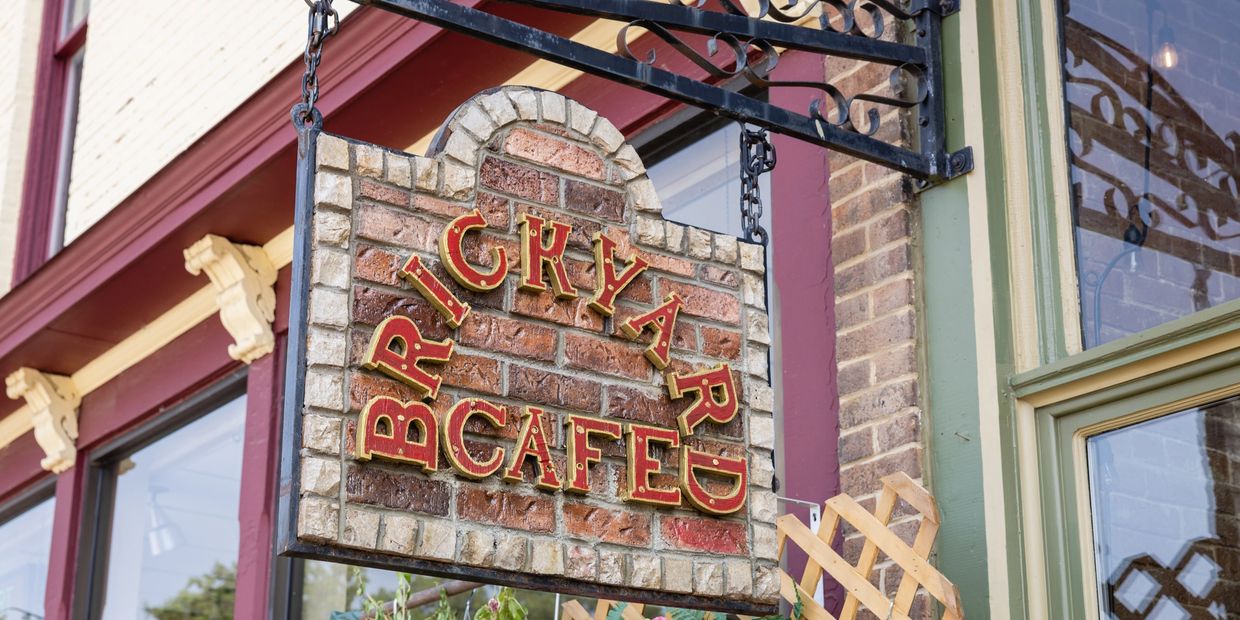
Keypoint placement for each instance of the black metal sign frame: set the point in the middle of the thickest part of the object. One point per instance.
(754, 40)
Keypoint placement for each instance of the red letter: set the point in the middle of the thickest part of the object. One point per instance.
(532, 441)
(386, 427)
(453, 255)
(715, 397)
(535, 255)
(661, 321)
(641, 465)
(607, 283)
(453, 310)
(579, 429)
(737, 469)
(453, 429)
(396, 348)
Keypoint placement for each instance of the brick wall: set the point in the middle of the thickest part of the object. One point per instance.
(874, 249)
(158, 76)
(19, 38)
(541, 154)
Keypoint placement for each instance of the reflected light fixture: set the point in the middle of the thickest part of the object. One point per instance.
(162, 534)
(1166, 56)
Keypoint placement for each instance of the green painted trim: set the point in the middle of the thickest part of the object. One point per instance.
(1059, 440)
(1166, 338)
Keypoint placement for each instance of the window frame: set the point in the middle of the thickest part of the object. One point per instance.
(50, 141)
(19, 504)
(99, 488)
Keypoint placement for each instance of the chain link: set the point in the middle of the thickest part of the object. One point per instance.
(323, 21)
(757, 158)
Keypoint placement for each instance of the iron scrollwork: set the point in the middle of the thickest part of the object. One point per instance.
(736, 45)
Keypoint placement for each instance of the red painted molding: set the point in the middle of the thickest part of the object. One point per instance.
(62, 563)
(19, 467)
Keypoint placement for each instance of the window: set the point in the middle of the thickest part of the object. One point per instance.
(70, 50)
(1166, 510)
(25, 542)
(172, 533)
(1154, 130)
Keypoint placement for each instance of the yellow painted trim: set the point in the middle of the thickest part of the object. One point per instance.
(1031, 510)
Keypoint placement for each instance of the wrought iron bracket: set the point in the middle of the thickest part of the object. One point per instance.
(749, 44)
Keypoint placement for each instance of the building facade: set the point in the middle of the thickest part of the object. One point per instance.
(1048, 343)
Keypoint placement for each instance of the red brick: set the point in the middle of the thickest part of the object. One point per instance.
(497, 210)
(473, 372)
(388, 225)
(593, 200)
(364, 386)
(864, 478)
(554, 153)
(595, 523)
(670, 264)
(704, 534)
(639, 405)
(878, 402)
(533, 513)
(604, 356)
(547, 388)
(847, 245)
(371, 306)
(876, 336)
(704, 302)
(854, 377)
(852, 311)
(368, 484)
(382, 193)
(892, 296)
(721, 276)
(684, 336)
(721, 343)
(520, 181)
(856, 445)
(580, 237)
(499, 333)
(477, 249)
(571, 312)
(889, 228)
(490, 299)
(377, 265)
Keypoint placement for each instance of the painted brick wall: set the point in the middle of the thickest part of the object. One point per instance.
(19, 39)
(157, 76)
(874, 245)
(533, 153)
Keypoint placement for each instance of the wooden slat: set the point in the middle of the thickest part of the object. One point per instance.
(883, 508)
(572, 610)
(811, 610)
(914, 494)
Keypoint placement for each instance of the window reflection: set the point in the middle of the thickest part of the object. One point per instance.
(173, 546)
(25, 542)
(1154, 135)
(1166, 509)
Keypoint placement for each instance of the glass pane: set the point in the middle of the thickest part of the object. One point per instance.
(64, 170)
(1152, 93)
(700, 185)
(1166, 510)
(74, 14)
(25, 542)
(173, 550)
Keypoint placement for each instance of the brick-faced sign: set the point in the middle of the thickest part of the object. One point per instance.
(512, 368)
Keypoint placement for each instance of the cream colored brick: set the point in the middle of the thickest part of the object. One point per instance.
(739, 578)
(526, 104)
(629, 162)
(331, 152)
(368, 160)
(610, 567)
(650, 231)
(678, 574)
(399, 170)
(756, 362)
(699, 243)
(324, 389)
(462, 147)
(753, 290)
(331, 228)
(581, 118)
(762, 431)
(458, 181)
(426, 173)
(581, 562)
(317, 519)
(499, 107)
(554, 109)
(320, 476)
(477, 548)
(321, 433)
(725, 249)
(763, 506)
(753, 257)
(707, 578)
(764, 545)
(766, 585)
(325, 347)
(675, 236)
(333, 190)
(760, 396)
(361, 529)
(757, 327)
(476, 122)
(400, 534)
(437, 541)
(606, 136)
(761, 470)
(329, 268)
(645, 198)
(645, 572)
(329, 308)
(546, 557)
(511, 551)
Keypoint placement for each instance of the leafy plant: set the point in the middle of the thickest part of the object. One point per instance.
(504, 606)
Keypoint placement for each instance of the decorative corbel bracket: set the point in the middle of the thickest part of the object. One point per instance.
(53, 401)
(244, 279)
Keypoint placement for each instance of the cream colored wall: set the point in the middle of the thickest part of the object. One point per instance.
(158, 75)
(19, 39)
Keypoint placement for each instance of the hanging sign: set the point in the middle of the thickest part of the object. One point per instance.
(505, 365)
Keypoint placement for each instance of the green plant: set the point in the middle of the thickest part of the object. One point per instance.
(504, 606)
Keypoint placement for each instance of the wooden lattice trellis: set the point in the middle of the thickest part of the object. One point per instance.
(917, 571)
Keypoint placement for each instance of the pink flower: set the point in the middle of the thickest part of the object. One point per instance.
(660, 618)
(494, 605)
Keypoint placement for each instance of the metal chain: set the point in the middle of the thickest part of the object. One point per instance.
(757, 158)
(323, 21)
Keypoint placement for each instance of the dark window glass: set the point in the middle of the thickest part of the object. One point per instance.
(1166, 510)
(25, 542)
(1153, 100)
(172, 552)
